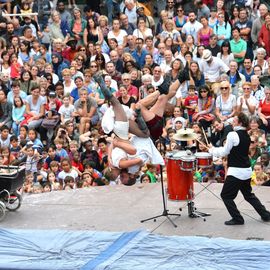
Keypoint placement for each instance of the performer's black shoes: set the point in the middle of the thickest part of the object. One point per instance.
(234, 222)
(267, 219)
(164, 87)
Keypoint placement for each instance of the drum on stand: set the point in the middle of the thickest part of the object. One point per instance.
(180, 176)
(204, 159)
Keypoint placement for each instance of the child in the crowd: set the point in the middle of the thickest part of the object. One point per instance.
(15, 147)
(4, 136)
(145, 178)
(55, 168)
(67, 170)
(29, 181)
(15, 67)
(66, 110)
(37, 188)
(33, 137)
(69, 182)
(8, 158)
(23, 133)
(32, 158)
(51, 178)
(18, 112)
(87, 179)
(152, 172)
(52, 156)
(76, 163)
(258, 176)
(73, 148)
(60, 151)
(89, 166)
(47, 187)
(191, 102)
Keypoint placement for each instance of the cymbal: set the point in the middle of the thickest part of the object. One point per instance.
(265, 80)
(185, 131)
(185, 137)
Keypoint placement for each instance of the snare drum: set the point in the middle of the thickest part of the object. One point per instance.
(187, 163)
(179, 182)
(204, 159)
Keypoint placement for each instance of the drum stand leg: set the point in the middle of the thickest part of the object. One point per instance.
(165, 212)
(193, 213)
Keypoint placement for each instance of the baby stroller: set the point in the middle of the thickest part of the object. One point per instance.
(11, 180)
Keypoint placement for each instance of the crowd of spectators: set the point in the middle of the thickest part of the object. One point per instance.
(51, 107)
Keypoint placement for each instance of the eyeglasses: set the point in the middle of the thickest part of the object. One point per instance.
(246, 88)
(179, 10)
(224, 88)
(79, 59)
(126, 79)
(203, 91)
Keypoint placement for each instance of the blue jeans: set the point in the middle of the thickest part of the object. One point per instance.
(16, 128)
(113, 8)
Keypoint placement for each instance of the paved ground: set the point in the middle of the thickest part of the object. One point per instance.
(121, 208)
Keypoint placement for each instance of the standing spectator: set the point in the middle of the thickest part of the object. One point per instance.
(258, 23)
(264, 34)
(17, 114)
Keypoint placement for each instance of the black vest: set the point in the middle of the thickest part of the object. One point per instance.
(238, 156)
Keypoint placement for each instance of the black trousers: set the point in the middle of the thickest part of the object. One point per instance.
(229, 192)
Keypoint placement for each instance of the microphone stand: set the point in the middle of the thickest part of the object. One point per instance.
(165, 212)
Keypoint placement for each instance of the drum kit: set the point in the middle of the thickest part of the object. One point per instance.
(181, 166)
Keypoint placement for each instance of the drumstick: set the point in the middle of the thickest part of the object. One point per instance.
(206, 140)
(202, 143)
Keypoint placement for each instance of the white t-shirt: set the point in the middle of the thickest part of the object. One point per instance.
(68, 89)
(62, 175)
(147, 33)
(67, 111)
(251, 100)
(119, 38)
(35, 108)
(226, 107)
(192, 29)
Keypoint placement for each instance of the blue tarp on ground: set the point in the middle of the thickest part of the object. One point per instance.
(139, 250)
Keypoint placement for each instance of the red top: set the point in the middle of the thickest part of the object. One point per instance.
(264, 36)
(189, 101)
(265, 107)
